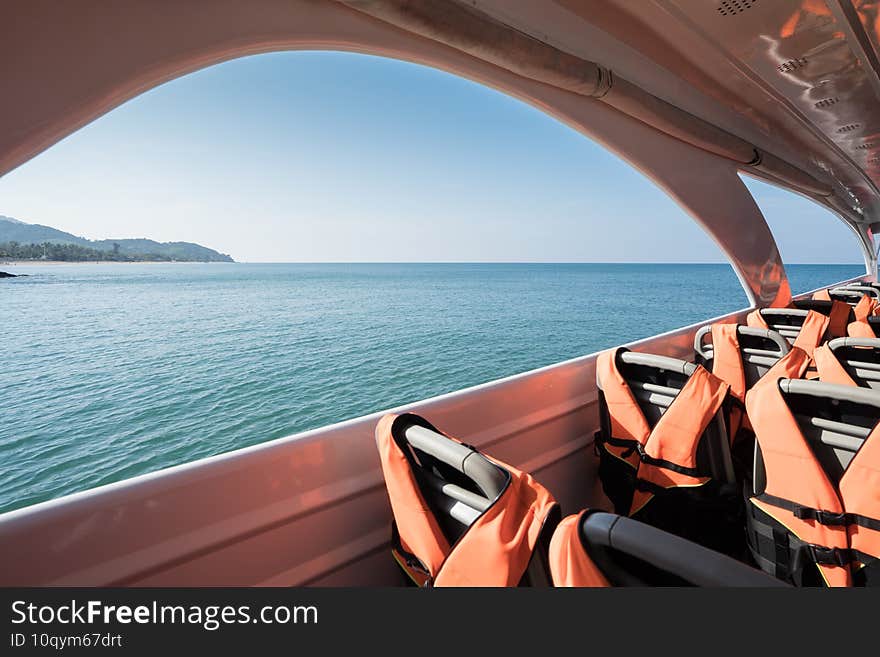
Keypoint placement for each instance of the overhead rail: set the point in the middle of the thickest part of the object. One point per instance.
(480, 35)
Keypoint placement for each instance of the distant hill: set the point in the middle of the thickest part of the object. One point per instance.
(13, 230)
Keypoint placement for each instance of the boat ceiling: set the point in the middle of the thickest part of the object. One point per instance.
(797, 78)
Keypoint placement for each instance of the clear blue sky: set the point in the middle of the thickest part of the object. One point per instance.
(338, 157)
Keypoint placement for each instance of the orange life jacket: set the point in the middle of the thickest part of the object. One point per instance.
(812, 330)
(793, 365)
(727, 365)
(665, 456)
(494, 551)
(801, 518)
(860, 328)
(570, 565)
(866, 307)
(652, 473)
(829, 367)
(838, 315)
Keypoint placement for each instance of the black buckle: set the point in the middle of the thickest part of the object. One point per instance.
(641, 450)
(830, 556)
(822, 517)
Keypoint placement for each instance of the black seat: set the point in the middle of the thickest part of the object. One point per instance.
(853, 293)
(788, 321)
(710, 514)
(860, 357)
(632, 553)
(819, 305)
(459, 483)
(834, 419)
(655, 381)
(760, 349)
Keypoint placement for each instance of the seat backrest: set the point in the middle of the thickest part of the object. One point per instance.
(632, 553)
(456, 480)
(871, 289)
(834, 419)
(458, 483)
(860, 357)
(655, 382)
(852, 294)
(819, 305)
(760, 350)
(860, 283)
(787, 321)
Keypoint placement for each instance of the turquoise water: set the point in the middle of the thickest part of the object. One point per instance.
(109, 371)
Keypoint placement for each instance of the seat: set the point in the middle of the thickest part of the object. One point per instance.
(819, 305)
(760, 350)
(596, 548)
(450, 502)
(788, 321)
(860, 357)
(813, 511)
(706, 508)
(741, 359)
(834, 419)
(655, 382)
(858, 284)
(852, 294)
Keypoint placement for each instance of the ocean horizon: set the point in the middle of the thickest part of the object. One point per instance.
(114, 370)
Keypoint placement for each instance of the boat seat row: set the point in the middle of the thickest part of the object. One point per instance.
(464, 519)
(825, 425)
(758, 456)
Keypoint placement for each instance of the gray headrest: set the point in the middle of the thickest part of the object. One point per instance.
(841, 343)
(658, 362)
(785, 312)
(866, 396)
(741, 330)
(854, 291)
(870, 284)
(490, 478)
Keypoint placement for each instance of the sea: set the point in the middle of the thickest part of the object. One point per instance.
(113, 370)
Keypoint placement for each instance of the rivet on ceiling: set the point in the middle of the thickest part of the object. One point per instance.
(734, 7)
(792, 65)
(826, 102)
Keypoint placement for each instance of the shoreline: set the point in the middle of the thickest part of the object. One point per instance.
(38, 263)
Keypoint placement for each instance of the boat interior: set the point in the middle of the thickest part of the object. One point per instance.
(693, 94)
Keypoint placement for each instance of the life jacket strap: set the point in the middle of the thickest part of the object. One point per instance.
(667, 465)
(636, 446)
(827, 556)
(828, 518)
(600, 437)
(780, 553)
